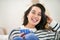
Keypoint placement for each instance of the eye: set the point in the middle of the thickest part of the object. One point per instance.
(39, 14)
(33, 11)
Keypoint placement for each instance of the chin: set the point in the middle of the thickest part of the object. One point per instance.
(34, 23)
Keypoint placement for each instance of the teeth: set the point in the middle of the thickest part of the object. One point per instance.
(34, 20)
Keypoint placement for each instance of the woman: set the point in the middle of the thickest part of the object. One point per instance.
(35, 20)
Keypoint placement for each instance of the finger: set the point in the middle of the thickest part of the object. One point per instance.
(22, 34)
(47, 16)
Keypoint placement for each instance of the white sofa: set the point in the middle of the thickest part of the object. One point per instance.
(3, 37)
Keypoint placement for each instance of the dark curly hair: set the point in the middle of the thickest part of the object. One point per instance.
(42, 23)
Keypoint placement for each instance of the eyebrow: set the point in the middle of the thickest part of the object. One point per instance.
(35, 11)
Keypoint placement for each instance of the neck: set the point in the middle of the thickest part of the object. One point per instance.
(30, 26)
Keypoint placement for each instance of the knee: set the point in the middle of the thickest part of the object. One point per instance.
(31, 36)
(17, 38)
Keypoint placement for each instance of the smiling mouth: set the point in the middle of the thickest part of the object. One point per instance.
(34, 20)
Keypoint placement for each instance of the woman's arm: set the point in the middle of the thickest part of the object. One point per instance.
(53, 24)
(13, 34)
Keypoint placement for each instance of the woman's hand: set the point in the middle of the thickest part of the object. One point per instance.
(49, 19)
(22, 35)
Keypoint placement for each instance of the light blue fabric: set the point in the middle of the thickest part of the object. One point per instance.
(25, 31)
(17, 38)
(31, 36)
(28, 35)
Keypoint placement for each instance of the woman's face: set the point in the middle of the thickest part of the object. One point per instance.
(34, 16)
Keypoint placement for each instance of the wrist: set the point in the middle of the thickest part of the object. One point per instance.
(53, 23)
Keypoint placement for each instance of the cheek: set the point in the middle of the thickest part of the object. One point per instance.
(40, 18)
(29, 15)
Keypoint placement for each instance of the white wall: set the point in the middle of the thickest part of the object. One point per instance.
(11, 12)
(53, 7)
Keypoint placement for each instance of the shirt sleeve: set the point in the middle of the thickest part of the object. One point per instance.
(55, 26)
(14, 33)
